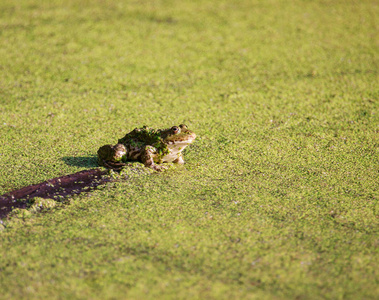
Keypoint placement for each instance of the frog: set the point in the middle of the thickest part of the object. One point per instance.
(152, 147)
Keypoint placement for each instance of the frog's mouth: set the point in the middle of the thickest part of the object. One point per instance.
(183, 141)
(178, 146)
(175, 147)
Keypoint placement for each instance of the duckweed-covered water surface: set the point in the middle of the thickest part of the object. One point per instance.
(278, 196)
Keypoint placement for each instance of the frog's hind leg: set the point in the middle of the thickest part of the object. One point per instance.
(117, 166)
(111, 156)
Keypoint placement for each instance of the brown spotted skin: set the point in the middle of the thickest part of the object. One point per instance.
(151, 147)
(147, 158)
(111, 156)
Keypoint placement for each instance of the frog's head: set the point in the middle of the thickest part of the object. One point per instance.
(175, 140)
(178, 136)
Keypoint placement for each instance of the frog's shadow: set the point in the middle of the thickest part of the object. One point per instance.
(81, 161)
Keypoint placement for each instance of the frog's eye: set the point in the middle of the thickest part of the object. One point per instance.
(175, 129)
(182, 126)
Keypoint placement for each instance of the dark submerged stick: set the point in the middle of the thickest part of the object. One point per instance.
(63, 186)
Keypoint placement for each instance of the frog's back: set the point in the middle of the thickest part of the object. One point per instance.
(140, 137)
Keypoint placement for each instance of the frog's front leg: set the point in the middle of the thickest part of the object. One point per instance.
(147, 157)
(179, 160)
